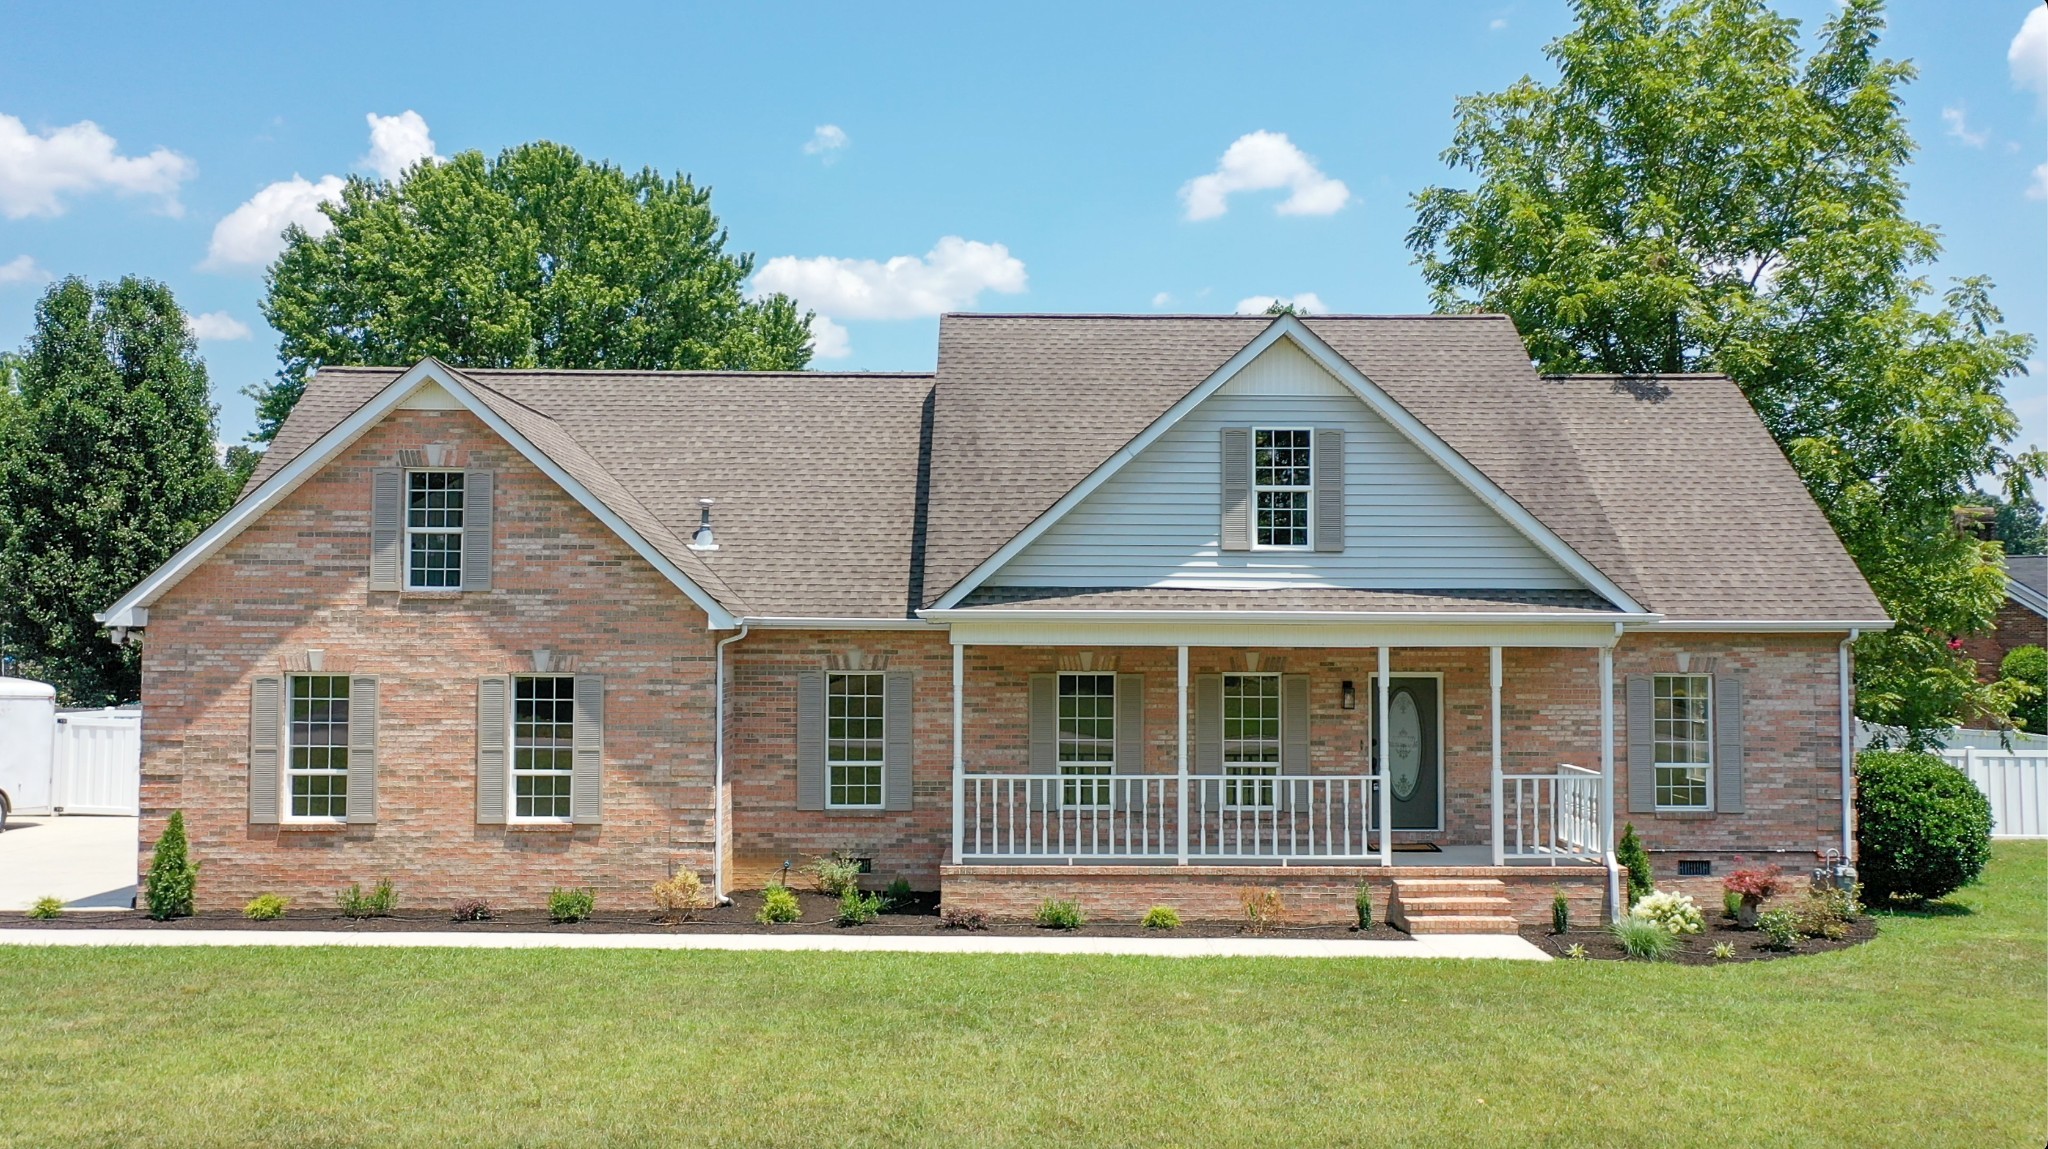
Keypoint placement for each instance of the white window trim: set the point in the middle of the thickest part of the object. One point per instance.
(512, 770)
(405, 512)
(1713, 751)
(1309, 542)
(1254, 769)
(1098, 768)
(881, 801)
(285, 758)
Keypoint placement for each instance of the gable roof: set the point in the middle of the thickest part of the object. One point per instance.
(2026, 581)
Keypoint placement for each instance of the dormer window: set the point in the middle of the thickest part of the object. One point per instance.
(1283, 487)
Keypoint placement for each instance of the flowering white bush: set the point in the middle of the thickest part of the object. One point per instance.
(1675, 912)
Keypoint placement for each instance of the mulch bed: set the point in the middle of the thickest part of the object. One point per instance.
(1698, 949)
(919, 916)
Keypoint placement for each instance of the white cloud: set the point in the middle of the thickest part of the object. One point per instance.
(1959, 127)
(22, 269)
(951, 276)
(1306, 303)
(828, 339)
(1262, 161)
(37, 171)
(251, 235)
(826, 140)
(1497, 23)
(2028, 55)
(1162, 299)
(396, 143)
(2038, 187)
(217, 326)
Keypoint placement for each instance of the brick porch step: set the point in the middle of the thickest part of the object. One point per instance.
(1450, 906)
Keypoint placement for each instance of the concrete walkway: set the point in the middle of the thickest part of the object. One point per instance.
(87, 861)
(1429, 946)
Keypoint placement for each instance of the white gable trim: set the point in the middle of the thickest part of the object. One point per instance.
(1291, 327)
(2026, 596)
(428, 374)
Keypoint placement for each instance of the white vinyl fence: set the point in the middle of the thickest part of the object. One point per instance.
(2016, 783)
(96, 762)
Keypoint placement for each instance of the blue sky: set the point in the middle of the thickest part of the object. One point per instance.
(889, 164)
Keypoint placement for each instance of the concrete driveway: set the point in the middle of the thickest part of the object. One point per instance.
(88, 861)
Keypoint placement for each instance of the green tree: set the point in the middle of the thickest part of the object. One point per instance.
(1692, 195)
(540, 258)
(173, 877)
(106, 469)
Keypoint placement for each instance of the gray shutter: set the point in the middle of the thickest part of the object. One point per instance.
(387, 495)
(1208, 724)
(1045, 723)
(492, 728)
(476, 530)
(265, 704)
(896, 728)
(586, 769)
(1642, 763)
(1329, 480)
(362, 750)
(810, 739)
(1728, 743)
(1130, 723)
(1294, 724)
(1236, 461)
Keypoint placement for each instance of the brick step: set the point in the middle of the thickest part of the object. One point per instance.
(1448, 924)
(1461, 904)
(1449, 885)
(1450, 906)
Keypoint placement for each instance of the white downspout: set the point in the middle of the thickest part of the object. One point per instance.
(1615, 905)
(718, 772)
(1848, 749)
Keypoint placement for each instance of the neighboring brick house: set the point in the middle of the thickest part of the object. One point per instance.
(2022, 619)
(1106, 607)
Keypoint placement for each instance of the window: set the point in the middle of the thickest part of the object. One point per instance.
(853, 741)
(433, 530)
(1281, 485)
(1251, 738)
(543, 745)
(317, 746)
(1682, 739)
(1087, 738)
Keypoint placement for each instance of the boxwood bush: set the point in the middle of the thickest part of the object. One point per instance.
(1923, 828)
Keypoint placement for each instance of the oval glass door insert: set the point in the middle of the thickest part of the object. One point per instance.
(1404, 743)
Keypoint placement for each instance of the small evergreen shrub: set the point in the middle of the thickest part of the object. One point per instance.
(473, 910)
(1923, 828)
(1723, 951)
(173, 876)
(1363, 903)
(680, 895)
(47, 908)
(858, 909)
(1057, 915)
(1780, 928)
(898, 893)
(1674, 912)
(962, 919)
(1560, 913)
(567, 906)
(1644, 938)
(1636, 860)
(266, 907)
(1262, 908)
(378, 903)
(1162, 918)
(1731, 905)
(835, 873)
(778, 904)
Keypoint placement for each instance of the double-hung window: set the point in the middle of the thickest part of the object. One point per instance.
(433, 530)
(1251, 738)
(1283, 487)
(543, 746)
(1682, 733)
(854, 741)
(1087, 738)
(316, 747)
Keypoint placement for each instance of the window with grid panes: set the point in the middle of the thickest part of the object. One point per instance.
(1282, 487)
(433, 530)
(854, 740)
(1251, 738)
(1682, 734)
(543, 745)
(1087, 737)
(316, 758)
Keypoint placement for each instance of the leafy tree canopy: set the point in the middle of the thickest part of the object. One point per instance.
(106, 468)
(1691, 194)
(539, 258)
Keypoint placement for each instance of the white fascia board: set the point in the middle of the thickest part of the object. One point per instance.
(2026, 596)
(1766, 626)
(801, 622)
(130, 610)
(1283, 617)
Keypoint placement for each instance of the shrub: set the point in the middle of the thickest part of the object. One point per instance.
(1674, 912)
(960, 919)
(898, 893)
(1731, 905)
(778, 904)
(571, 905)
(1363, 902)
(1576, 952)
(858, 909)
(1560, 913)
(266, 907)
(1924, 829)
(473, 910)
(2028, 666)
(1162, 918)
(1058, 915)
(1780, 928)
(1644, 938)
(1825, 912)
(1723, 951)
(680, 895)
(1262, 908)
(835, 873)
(173, 877)
(1636, 860)
(47, 908)
(1757, 884)
(378, 903)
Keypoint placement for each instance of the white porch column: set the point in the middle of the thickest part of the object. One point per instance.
(1180, 746)
(1379, 737)
(959, 750)
(1499, 814)
(1607, 750)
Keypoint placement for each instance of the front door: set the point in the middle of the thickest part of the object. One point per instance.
(1415, 749)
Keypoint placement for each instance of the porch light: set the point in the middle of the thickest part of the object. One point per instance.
(703, 539)
(1350, 696)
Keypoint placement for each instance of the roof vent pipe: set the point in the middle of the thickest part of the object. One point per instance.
(703, 539)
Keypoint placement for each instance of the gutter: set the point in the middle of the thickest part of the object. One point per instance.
(987, 614)
(1847, 685)
(1765, 626)
(805, 622)
(718, 772)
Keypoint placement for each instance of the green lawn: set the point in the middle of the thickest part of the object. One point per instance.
(1934, 1034)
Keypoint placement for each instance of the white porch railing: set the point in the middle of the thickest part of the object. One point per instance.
(1107, 818)
(1553, 816)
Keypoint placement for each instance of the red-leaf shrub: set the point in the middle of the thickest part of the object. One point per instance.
(1754, 884)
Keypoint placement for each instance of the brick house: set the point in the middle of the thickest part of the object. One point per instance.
(1107, 607)
(2022, 619)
